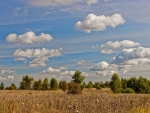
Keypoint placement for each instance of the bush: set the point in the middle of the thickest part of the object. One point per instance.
(74, 88)
(63, 85)
(128, 90)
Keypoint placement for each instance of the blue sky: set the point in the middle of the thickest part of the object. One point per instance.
(55, 38)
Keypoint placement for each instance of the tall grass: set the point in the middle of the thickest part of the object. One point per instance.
(91, 101)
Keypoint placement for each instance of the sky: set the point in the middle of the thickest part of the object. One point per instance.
(54, 38)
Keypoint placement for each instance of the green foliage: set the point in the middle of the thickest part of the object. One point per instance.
(26, 83)
(54, 84)
(90, 84)
(128, 90)
(63, 85)
(74, 88)
(132, 83)
(37, 85)
(2, 86)
(107, 84)
(46, 85)
(124, 83)
(12, 87)
(143, 85)
(102, 85)
(116, 84)
(97, 85)
(83, 85)
(77, 77)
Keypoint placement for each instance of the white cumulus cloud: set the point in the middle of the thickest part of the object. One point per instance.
(89, 2)
(111, 47)
(52, 70)
(29, 38)
(99, 23)
(39, 56)
(7, 72)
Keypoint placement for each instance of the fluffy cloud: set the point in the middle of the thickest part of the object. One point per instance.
(99, 23)
(7, 78)
(80, 62)
(29, 38)
(105, 69)
(8, 72)
(111, 47)
(89, 2)
(137, 56)
(39, 56)
(51, 70)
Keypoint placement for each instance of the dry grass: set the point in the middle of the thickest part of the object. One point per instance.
(93, 101)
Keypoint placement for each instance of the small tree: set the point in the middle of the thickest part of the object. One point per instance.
(97, 86)
(90, 84)
(77, 77)
(124, 83)
(74, 88)
(26, 83)
(37, 85)
(13, 86)
(116, 84)
(83, 85)
(132, 83)
(46, 85)
(2, 86)
(63, 85)
(54, 84)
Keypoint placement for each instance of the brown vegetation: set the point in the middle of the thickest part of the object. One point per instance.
(90, 101)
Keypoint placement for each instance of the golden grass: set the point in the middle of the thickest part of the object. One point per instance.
(91, 101)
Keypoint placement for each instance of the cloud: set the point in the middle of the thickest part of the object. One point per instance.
(111, 47)
(7, 72)
(7, 78)
(29, 38)
(89, 2)
(99, 23)
(39, 56)
(139, 55)
(105, 69)
(51, 70)
(80, 62)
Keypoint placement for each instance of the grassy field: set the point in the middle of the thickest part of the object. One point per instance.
(91, 101)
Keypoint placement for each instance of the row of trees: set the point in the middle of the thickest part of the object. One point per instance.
(77, 84)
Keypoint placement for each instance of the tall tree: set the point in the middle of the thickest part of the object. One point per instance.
(116, 84)
(132, 83)
(37, 85)
(54, 84)
(77, 77)
(46, 85)
(124, 83)
(26, 83)
(2, 86)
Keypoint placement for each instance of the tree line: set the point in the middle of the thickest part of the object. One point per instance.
(77, 84)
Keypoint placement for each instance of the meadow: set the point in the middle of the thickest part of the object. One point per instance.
(90, 101)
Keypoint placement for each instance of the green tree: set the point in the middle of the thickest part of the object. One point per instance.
(90, 84)
(124, 83)
(26, 83)
(54, 84)
(83, 85)
(63, 85)
(46, 85)
(107, 84)
(2, 86)
(77, 77)
(143, 85)
(13, 86)
(74, 88)
(97, 85)
(37, 85)
(116, 84)
(132, 83)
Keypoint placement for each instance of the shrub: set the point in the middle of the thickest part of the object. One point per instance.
(63, 85)
(74, 88)
(128, 90)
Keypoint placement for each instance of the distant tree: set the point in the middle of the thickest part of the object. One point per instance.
(74, 88)
(63, 85)
(97, 85)
(102, 84)
(12, 87)
(90, 84)
(107, 84)
(132, 83)
(116, 84)
(26, 83)
(77, 77)
(124, 83)
(54, 84)
(128, 90)
(37, 85)
(46, 85)
(143, 85)
(2, 86)
(83, 85)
